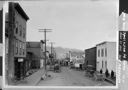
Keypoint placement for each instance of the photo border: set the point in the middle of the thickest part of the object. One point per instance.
(30, 87)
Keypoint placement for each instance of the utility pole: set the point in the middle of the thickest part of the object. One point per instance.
(45, 31)
(54, 55)
(52, 51)
(69, 56)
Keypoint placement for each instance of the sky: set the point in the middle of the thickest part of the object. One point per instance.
(79, 24)
(1, 4)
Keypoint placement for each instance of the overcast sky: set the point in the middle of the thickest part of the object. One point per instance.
(1, 4)
(74, 23)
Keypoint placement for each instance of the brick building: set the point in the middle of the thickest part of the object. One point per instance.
(90, 57)
(15, 39)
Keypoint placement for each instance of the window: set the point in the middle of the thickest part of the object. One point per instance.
(16, 30)
(20, 27)
(106, 52)
(23, 33)
(23, 49)
(98, 53)
(102, 52)
(106, 64)
(16, 47)
(20, 48)
(102, 64)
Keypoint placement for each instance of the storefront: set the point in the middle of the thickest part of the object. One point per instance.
(19, 68)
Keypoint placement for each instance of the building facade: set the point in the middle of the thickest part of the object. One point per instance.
(106, 57)
(35, 54)
(90, 57)
(15, 41)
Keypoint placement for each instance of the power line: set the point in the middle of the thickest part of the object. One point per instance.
(45, 31)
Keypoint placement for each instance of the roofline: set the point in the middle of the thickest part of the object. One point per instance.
(20, 11)
(32, 41)
(90, 48)
(105, 43)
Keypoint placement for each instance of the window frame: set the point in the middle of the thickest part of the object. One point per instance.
(16, 27)
(20, 28)
(16, 45)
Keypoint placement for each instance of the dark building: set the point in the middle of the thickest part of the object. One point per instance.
(16, 35)
(35, 54)
(123, 6)
(90, 57)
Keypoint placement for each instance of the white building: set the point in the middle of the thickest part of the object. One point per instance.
(106, 56)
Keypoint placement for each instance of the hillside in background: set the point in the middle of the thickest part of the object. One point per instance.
(61, 52)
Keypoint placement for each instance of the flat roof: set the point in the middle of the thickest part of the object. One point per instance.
(90, 48)
(104, 43)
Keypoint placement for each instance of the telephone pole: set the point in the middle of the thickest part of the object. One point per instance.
(52, 51)
(45, 31)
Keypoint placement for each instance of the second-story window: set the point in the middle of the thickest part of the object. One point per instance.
(99, 53)
(16, 47)
(23, 48)
(16, 30)
(20, 48)
(106, 52)
(20, 27)
(23, 32)
(102, 64)
(102, 52)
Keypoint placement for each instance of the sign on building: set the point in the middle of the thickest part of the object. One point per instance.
(20, 60)
(123, 45)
